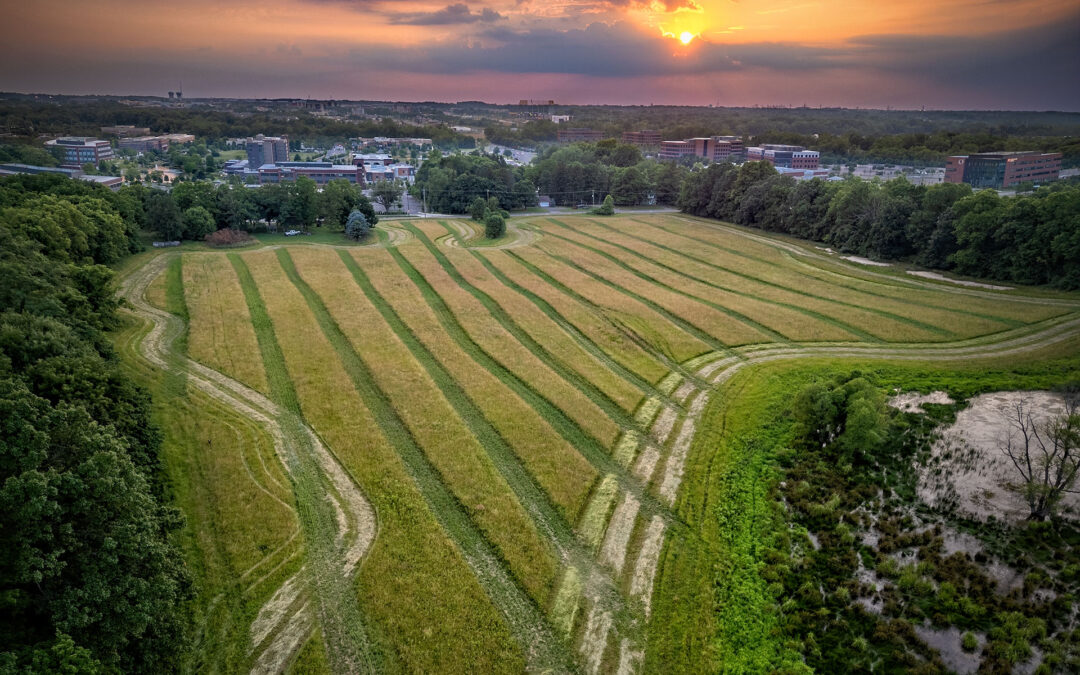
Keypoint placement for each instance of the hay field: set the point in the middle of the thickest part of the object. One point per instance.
(522, 419)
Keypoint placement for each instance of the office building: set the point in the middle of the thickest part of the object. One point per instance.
(74, 151)
(786, 156)
(1001, 170)
(111, 182)
(642, 139)
(577, 135)
(320, 172)
(266, 150)
(144, 144)
(675, 149)
(728, 149)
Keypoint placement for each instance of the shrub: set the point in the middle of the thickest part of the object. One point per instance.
(494, 226)
(605, 209)
(969, 642)
(228, 238)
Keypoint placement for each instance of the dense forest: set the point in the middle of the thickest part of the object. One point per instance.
(1027, 239)
(90, 580)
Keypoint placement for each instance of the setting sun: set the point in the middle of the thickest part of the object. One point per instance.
(685, 37)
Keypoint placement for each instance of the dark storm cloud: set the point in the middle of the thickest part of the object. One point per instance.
(458, 13)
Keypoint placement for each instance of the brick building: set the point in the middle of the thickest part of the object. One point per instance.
(1001, 170)
(642, 139)
(74, 151)
(320, 172)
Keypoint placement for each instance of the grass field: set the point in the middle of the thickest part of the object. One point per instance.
(549, 431)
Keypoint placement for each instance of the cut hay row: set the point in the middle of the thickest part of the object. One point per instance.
(594, 642)
(778, 321)
(626, 449)
(634, 382)
(647, 411)
(654, 329)
(220, 333)
(550, 344)
(541, 647)
(676, 461)
(412, 556)
(714, 325)
(787, 285)
(587, 364)
(453, 448)
(494, 338)
(613, 550)
(641, 583)
(564, 608)
(514, 409)
(629, 354)
(755, 248)
(594, 518)
(663, 425)
(848, 318)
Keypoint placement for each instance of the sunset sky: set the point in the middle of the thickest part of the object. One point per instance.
(980, 54)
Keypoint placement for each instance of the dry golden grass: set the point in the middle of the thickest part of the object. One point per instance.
(502, 346)
(664, 336)
(412, 557)
(546, 332)
(783, 320)
(725, 329)
(836, 277)
(221, 335)
(434, 424)
(605, 336)
(563, 473)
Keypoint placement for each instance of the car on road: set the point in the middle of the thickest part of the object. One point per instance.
(292, 233)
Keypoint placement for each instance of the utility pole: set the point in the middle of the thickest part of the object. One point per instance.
(424, 190)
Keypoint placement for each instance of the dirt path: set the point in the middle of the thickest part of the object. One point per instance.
(286, 620)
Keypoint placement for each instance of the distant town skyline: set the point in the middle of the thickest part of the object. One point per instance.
(967, 54)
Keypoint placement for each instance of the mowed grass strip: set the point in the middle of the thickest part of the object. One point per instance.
(580, 358)
(453, 448)
(665, 339)
(563, 473)
(412, 559)
(894, 319)
(708, 325)
(838, 274)
(777, 321)
(491, 336)
(868, 323)
(630, 356)
(220, 334)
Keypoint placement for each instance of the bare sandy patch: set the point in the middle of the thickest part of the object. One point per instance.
(961, 282)
(864, 261)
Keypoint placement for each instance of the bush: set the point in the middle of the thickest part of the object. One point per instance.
(969, 642)
(494, 226)
(228, 238)
(605, 209)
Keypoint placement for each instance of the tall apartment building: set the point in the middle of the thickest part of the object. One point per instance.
(74, 151)
(576, 135)
(266, 150)
(1002, 169)
(644, 138)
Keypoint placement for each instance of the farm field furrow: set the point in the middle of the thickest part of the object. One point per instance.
(412, 555)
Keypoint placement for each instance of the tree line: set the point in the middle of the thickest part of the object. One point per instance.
(1027, 239)
(89, 579)
(192, 210)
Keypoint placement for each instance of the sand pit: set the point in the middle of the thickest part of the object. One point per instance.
(969, 470)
